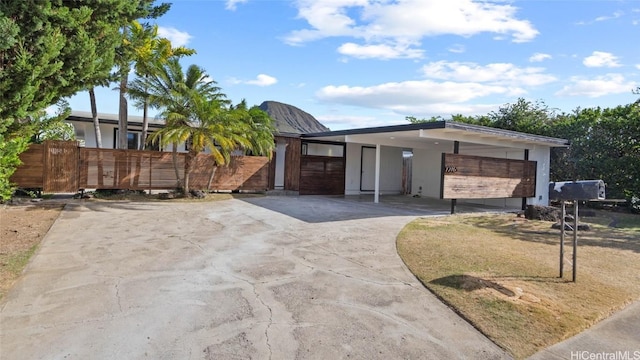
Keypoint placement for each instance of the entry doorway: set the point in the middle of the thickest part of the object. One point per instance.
(368, 169)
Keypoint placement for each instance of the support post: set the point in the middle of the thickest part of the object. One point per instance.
(575, 238)
(562, 225)
(376, 195)
(524, 199)
(456, 150)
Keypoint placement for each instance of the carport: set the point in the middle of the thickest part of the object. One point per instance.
(374, 159)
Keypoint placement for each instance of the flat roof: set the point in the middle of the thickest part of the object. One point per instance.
(85, 116)
(446, 130)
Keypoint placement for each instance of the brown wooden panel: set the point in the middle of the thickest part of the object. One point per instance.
(242, 173)
(61, 166)
(292, 164)
(31, 173)
(322, 175)
(477, 177)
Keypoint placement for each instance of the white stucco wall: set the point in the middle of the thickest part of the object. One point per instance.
(84, 131)
(426, 169)
(390, 169)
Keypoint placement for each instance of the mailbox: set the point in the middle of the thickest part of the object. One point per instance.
(577, 190)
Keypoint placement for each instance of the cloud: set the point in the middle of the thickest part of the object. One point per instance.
(232, 4)
(638, 66)
(447, 88)
(335, 122)
(538, 57)
(456, 49)
(601, 59)
(402, 25)
(496, 73)
(400, 96)
(384, 52)
(615, 15)
(598, 86)
(177, 37)
(260, 80)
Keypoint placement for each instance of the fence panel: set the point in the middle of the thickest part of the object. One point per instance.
(61, 166)
(30, 175)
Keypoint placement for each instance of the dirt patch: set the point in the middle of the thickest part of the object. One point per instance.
(22, 228)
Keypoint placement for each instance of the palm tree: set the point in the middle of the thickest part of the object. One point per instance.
(151, 53)
(206, 124)
(169, 88)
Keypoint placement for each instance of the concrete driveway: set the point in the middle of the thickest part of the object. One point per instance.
(258, 278)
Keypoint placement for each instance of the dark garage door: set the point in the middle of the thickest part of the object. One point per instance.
(321, 175)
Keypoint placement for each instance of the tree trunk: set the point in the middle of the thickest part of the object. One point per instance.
(96, 120)
(213, 173)
(174, 157)
(123, 121)
(145, 125)
(187, 172)
(96, 127)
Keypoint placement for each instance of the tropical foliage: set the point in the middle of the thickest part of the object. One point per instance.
(198, 114)
(40, 64)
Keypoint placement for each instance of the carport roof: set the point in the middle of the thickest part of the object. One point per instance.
(440, 130)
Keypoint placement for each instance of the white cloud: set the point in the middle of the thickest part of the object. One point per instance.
(399, 96)
(260, 80)
(538, 57)
(598, 86)
(407, 22)
(177, 37)
(384, 52)
(355, 121)
(601, 59)
(615, 15)
(233, 4)
(456, 49)
(638, 66)
(496, 73)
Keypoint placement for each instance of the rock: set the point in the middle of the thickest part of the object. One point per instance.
(568, 226)
(166, 196)
(198, 194)
(545, 213)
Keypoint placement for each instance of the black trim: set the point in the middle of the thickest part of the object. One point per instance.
(444, 125)
(524, 199)
(111, 121)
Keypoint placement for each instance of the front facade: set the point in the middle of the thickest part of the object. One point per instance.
(404, 159)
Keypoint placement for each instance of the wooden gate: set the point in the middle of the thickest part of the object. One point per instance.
(322, 175)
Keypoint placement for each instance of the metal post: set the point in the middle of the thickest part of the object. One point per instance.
(454, 202)
(562, 225)
(575, 237)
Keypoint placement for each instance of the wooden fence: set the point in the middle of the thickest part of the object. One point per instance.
(63, 166)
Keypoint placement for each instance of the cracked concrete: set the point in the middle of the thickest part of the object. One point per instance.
(261, 278)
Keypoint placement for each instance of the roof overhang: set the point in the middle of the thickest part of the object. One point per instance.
(437, 134)
(85, 116)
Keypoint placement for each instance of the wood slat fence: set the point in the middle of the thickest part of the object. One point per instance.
(64, 167)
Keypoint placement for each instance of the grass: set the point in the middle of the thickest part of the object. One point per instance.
(501, 272)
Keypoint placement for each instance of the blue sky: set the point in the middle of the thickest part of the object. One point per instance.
(361, 63)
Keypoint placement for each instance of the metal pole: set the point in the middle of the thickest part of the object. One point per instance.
(575, 237)
(562, 225)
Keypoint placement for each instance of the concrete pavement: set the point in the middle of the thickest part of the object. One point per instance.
(262, 278)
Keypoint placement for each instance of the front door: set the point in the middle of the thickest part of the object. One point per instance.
(368, 169)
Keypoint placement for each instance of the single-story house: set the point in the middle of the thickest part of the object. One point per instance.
(442, 159)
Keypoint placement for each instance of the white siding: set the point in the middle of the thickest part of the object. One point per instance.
(390, 170)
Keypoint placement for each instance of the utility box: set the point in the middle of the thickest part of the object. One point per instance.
(577, 190)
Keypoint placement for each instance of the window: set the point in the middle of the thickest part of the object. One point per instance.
(134, 140)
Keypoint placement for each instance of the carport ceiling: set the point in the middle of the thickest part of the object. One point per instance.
(438, 134)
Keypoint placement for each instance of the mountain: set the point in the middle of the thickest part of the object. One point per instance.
(290, 119)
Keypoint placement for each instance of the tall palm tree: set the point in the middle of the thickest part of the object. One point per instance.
(151, 53)
(170, 88)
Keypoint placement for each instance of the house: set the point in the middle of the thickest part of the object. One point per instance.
(442, 159)
(82, 122)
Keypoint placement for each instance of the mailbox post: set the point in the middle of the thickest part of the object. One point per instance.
(574, 191)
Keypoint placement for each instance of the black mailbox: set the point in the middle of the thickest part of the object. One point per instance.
(577, 190)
